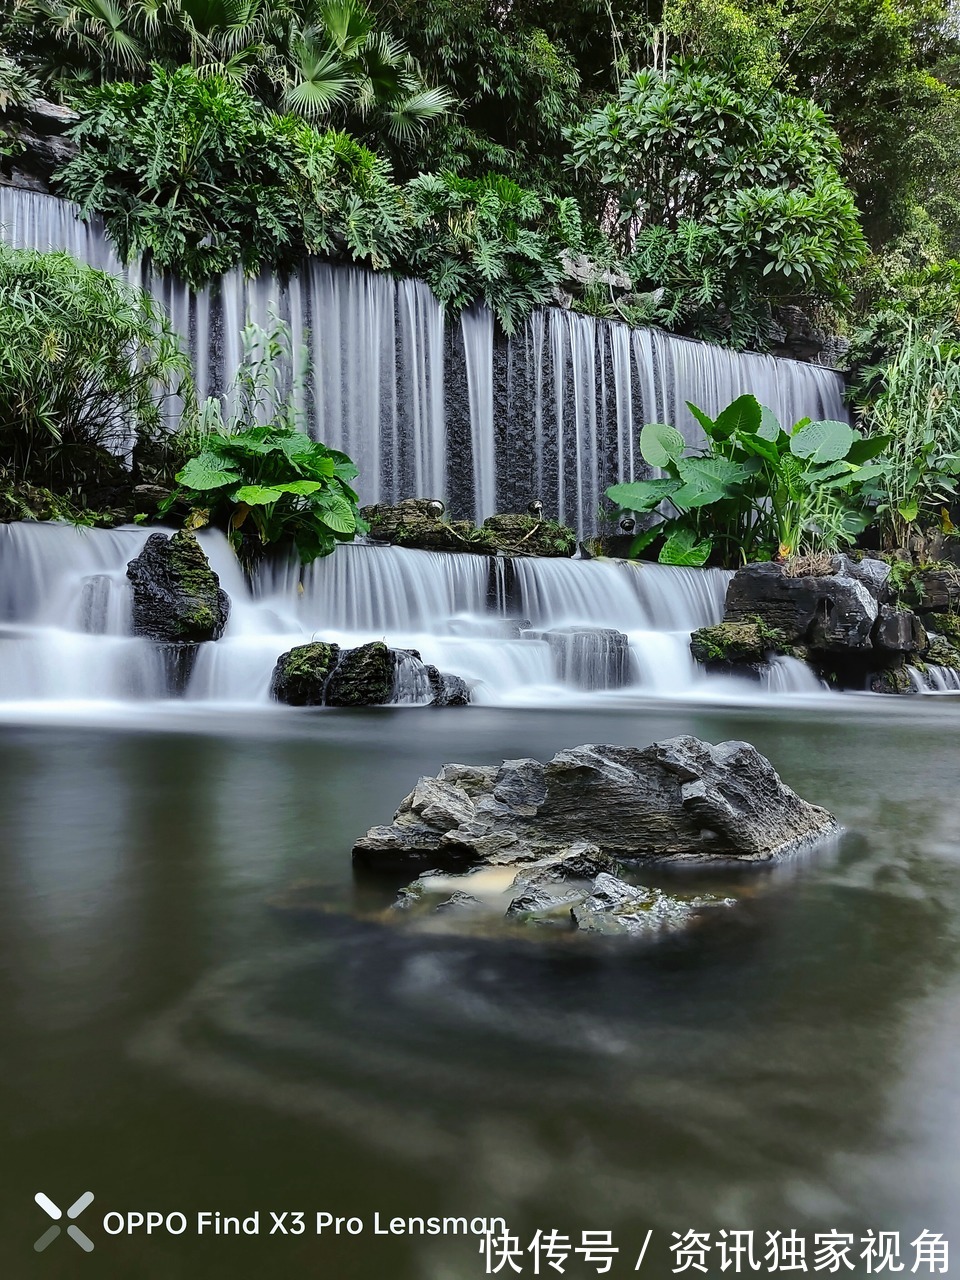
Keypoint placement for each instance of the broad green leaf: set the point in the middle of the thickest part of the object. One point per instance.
(257, 495)
(770, 428)
(864, 450)
(760, 447)
(709, 426)
(717, 471)
(336, 513)
(909, 511)
(206, 472)
(696, 494)
(302, 487)
(682, 548)
(822, 441)
(642, 495)
(742, 417)
(660, 444)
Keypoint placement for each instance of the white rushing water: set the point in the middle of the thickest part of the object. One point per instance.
(431, 408)
(525, 631)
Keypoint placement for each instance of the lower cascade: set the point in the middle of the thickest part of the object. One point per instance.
(514, 630)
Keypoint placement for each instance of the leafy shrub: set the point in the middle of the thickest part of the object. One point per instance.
(85, 365)
(257, 474)
(489, 239)
(728, 196)
(756, 491)
(918, 410)
(194, 172)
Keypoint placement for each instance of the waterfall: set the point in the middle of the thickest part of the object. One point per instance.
(552, 413)
(524, 631)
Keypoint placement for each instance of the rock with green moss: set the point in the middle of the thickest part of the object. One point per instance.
(177, 597)
(363, 677)
(892, 680)
(530, 536)
(731, 643)
(946, 625)
(941, 652)
(300, 676)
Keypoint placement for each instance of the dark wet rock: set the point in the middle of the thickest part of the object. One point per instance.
(540, 906)
(458, 901)
(177, 597)
(147, 498)
(892, 680)
(899, 631)
(679, 799)
(873, 573)
(832, 611)
(448, 690)
(588, 657)
(300, 676)
(615, 907)
(730, 643)
(363, 677)
(932, 590)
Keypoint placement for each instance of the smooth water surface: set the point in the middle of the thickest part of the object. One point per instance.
(173, 1040)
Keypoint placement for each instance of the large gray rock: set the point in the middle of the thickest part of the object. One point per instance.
(831, 612)
(177, 597)
(679, 799)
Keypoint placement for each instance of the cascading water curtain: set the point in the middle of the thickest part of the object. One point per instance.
(552, 413)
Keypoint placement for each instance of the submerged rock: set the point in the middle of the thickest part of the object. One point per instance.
(448, 690)
(615, 907)
(679, 799)
(300, 676)
(177, 597)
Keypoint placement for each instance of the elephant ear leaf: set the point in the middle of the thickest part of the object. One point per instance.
(682, 549)
(742, 417)
(661, 445)
(642, 495)
(207, 471)
(708, 424)
(823, 441)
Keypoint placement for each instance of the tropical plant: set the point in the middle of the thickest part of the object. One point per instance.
(918, 411)
(256, 472)
(724, 192)
(490, 240)
(756, 490)
(192, 171)
(86, 366)
(327, 60)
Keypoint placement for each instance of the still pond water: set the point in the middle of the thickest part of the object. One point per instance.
(172, 1041)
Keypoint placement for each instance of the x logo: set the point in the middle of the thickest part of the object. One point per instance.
(78, 1206)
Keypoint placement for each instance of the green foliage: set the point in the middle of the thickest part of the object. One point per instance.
(326, 60)
(918, 410)
(725, 195)
(489, 240)
(193, 172)
(258, 474)
(757, 491)
(85, 365)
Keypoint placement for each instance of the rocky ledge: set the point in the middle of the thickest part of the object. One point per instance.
(682, 799)
(419, 523)
(860, 623)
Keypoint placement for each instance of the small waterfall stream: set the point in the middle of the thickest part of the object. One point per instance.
(523, 631)
(430, 408)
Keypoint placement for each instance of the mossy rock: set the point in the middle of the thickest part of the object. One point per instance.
(176, 595)
(735, 642)
(942, 653)
(528, 535)
(946, 625)
(363, 677)
(300, 676)
(893, 680)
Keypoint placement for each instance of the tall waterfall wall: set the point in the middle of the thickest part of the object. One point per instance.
(450, 409)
